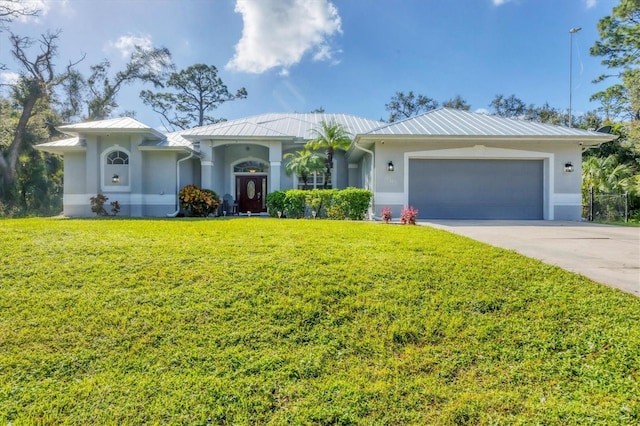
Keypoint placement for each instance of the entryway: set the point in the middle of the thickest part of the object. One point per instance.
(251, 191)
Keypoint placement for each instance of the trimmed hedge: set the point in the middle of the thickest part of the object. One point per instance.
(337, 204)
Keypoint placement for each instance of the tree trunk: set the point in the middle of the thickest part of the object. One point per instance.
(9, 159)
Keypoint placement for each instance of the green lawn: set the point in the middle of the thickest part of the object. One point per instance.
(265, 321)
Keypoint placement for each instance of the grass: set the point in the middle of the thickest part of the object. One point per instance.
(262, 321)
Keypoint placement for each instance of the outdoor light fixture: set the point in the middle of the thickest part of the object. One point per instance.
(568, 167)
(252, 170)
(390, 167)
(115, 179)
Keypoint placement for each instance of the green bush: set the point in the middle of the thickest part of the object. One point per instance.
(199, 202)
(276, 203)
(295, 203)
(357, 201)
(351, 203)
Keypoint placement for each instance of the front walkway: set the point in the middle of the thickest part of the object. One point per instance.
(605, 253)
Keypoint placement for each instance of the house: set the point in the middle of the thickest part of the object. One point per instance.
(447, 163)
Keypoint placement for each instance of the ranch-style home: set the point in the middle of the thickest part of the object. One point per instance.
(449, 164)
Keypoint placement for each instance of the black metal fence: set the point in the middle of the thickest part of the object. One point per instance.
(606, 207)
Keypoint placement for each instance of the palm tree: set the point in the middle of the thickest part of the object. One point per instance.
(302, 163)
(607, 175)
(330, 136)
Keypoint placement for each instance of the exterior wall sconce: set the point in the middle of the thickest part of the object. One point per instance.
(390, 167)
(115, 179)
(568, 167)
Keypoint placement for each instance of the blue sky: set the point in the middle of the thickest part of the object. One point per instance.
(348, 56)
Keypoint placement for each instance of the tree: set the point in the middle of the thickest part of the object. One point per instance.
(12, 9)
(404, 106)
(330, 137)
(147, 65)
(37, 83)
(607, 175)
(457, 103)
(619, 45)
(197, 90)
(303, 163)
(510, 107)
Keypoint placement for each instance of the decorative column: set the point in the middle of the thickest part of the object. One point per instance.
(206, 165)
(135, 169)
(275, 163)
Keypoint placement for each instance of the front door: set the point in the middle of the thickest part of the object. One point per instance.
(250, 193)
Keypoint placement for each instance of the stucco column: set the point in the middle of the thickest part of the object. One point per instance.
(275, 163)
(92, 168)
(135, 168)
(206, 165)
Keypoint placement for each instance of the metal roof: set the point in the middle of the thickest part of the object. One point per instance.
(171, 140)
(120, 125)
(452, 122)
(294, 126)
(70, 144)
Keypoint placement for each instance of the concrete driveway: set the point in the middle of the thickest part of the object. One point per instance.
(604, 253)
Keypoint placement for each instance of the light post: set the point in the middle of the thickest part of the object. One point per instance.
(572, 31)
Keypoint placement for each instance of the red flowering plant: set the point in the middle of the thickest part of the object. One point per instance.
(408, 215)
(386, 214)
(199, 202)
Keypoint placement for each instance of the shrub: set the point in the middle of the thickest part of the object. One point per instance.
(115, 207)
(357, 201)
(295, 203)
(97, 204)
(408, 215)
(276, 203)
(199, 202)
(386, 214)
(318, 200)
(349, 203)
(337, 211)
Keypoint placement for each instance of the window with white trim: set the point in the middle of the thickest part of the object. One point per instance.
(117, 157)
(115, 170)
(315, 180)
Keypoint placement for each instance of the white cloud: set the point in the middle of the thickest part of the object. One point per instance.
(126, 44)
(8, 77)
(277, 33)
(42, 7)
(500, 2)
(590, 3)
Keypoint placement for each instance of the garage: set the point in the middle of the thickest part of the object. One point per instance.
(477, 189)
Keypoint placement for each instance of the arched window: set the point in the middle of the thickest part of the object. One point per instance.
(115, 170)
(118, 157)
(251, 167)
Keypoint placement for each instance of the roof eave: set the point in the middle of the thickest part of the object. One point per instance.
(170, 148)
(59, 149)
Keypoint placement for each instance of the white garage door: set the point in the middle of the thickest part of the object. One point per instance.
(476, 189)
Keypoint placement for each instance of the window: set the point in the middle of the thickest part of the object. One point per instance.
(251, 167)
(115, 170)
(314, 181)
(117, 157)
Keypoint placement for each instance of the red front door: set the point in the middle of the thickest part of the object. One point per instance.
(250, 193)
